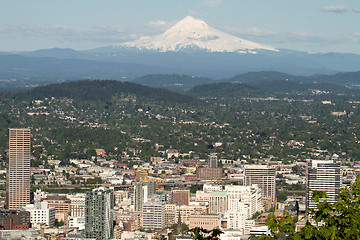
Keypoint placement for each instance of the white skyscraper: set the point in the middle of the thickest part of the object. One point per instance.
(323, 175)
(243, 203)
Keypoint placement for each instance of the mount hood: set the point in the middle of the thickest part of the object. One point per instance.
(192, 33)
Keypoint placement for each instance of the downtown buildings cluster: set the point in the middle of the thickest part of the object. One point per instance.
(237, 204)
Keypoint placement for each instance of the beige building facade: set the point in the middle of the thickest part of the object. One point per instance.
(18, 169)
(206, 221)
(218, 202)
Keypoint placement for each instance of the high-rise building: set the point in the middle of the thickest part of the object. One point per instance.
(142, 193)
(213, 162)
(248, 195)
(153, 215)
(99, 204)
(264, 177)
(323, 175)
(18, 168)
(243, 203)
(180, 197)
(218, 202)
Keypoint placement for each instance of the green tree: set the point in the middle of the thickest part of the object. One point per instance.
(59, 223)
(200, 233)
(281, 197)
(283, 228)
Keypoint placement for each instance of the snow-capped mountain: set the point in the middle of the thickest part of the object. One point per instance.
(195, 33)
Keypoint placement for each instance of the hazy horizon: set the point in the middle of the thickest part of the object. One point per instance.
(321, 26)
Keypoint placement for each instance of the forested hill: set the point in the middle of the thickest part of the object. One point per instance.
(271, 81)
(263, 76)
(228, 90)
(174, 82)
(346, 78)
(265, 86)
(105, 90)
(294, 87)
(349, 78)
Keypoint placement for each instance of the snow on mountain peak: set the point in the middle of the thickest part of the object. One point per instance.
(195, 33)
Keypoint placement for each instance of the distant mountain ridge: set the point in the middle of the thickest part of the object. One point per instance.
(121, 63)
(190, 47)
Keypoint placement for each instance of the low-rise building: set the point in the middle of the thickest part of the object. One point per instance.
(206, 221)
(14, 220)
(209, 173)
(41, 213)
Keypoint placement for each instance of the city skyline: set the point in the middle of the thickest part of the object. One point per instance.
(323, 26)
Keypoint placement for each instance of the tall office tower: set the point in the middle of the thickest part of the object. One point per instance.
(99, 204)
(213, 162)
(264, 177)
(142, 193)
(180, 197)
(18, 170)
(323, 175)
(153, 215)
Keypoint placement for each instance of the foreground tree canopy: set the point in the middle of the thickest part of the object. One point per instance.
(340, 220)
(200, 233)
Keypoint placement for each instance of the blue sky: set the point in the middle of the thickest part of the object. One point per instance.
(304, 25)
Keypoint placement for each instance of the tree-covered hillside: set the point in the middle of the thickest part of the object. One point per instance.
(228, 90)
(131, 121)
(106, 90)
(174, 82)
